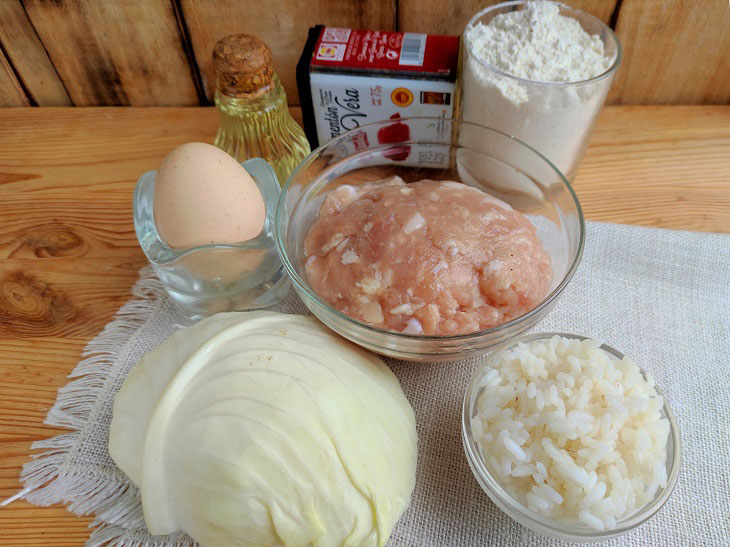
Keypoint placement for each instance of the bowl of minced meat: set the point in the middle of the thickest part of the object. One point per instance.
(387, 245)
(430, 257)
(569, 437)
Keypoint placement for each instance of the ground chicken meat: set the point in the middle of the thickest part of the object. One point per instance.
(425, 258)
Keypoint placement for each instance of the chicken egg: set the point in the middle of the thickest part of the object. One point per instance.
(203, 196)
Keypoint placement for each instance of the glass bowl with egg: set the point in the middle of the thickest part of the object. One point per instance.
(459, 157)
(569, 437)
(206, 224)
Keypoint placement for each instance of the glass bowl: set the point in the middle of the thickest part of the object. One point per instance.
(555, 117)
(437, 149)
(577, 532)
(207, 279)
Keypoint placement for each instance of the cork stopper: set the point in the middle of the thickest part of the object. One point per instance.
(243, 67)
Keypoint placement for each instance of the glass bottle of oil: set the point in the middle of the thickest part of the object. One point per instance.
(254, 117)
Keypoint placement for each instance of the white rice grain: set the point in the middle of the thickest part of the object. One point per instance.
(537, 502)
(523, 470)
(541, 469)
(551, 493)
(515, 449)
(591, 520)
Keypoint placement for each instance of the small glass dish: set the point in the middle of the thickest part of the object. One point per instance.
(577, 532)
(207, 279)
(436, 149)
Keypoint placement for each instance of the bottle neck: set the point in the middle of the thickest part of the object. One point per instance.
(263, 101)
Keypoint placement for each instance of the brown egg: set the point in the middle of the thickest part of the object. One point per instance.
(204, 196)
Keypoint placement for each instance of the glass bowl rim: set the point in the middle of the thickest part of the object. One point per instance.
(493, 488)
(608, 72)
(301, 285)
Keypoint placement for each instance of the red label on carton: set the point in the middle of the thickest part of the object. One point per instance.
(388, 51)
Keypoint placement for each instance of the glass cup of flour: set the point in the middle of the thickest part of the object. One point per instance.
(538, 71)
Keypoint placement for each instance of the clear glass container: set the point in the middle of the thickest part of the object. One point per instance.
(261, 127)
(555, 118)
(433, 148)
(207, 279)
(568, 531)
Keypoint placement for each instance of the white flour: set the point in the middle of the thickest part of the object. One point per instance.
(539, 44)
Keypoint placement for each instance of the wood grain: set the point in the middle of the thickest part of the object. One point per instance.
(60, 528)
(29, 57)
(116, 53)
(68, 254)
(31, 371)
(675, 52)
(136, 53)
(438, 17)
(11, 92)
(63, 297)
(282, 24)
(667, 167)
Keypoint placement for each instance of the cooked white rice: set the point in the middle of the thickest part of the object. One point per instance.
(572, 433)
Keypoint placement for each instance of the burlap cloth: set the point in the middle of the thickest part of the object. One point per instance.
(660, 296)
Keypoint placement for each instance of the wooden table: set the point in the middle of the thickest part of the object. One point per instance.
(69, 253)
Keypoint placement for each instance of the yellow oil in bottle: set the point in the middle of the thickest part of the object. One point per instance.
(254, 117)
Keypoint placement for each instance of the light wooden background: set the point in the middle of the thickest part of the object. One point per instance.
(157, 52)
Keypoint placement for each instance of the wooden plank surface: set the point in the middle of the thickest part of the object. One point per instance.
(282, 24)
(439, 17)
(68, 254)
(675, 52)
(659, 166)
(29, 57)
(137, 52)
(11, 92)
(116, 53)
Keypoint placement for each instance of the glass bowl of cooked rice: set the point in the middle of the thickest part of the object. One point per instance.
(569, 437)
